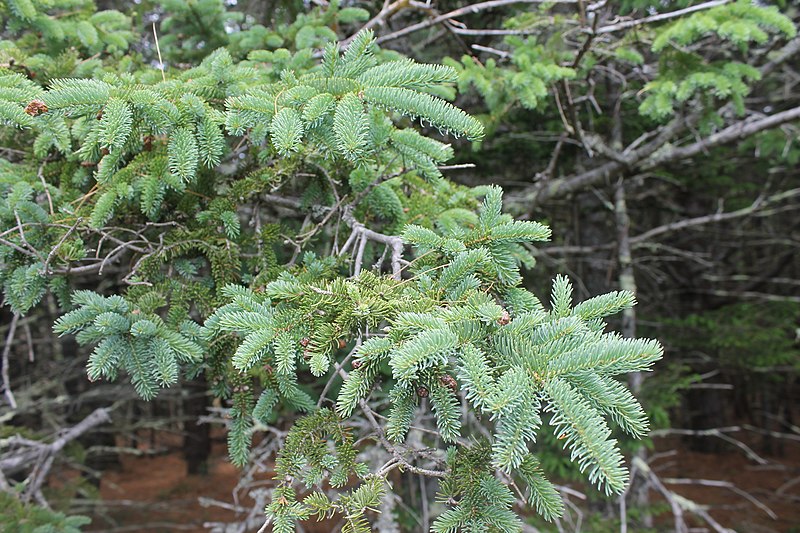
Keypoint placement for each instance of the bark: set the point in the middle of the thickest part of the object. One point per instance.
(651, 156)
(197, 436)
(627, 282)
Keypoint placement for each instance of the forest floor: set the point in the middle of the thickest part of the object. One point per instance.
(741, 485)
(154, 494)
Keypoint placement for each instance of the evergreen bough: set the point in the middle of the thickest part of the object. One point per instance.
(209, 289)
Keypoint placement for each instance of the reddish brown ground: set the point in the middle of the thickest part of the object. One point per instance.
(154, 494)
(157, 491)
(775, 484)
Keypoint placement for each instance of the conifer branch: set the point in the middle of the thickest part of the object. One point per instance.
(400, 461)
(220, 292)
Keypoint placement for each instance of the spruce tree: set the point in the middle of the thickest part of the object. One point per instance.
(271, 206)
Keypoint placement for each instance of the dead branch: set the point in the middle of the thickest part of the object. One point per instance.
(38, 456)
(6, 351)
(468, 10)
(661, 16)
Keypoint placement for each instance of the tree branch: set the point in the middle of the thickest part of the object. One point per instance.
(634, 158)
(467, 10)
(738, 131)
(6, 350)
(40, 456)
(646, 158)
(661, 16)
(563, 186)
(716, 217)
(392, 241)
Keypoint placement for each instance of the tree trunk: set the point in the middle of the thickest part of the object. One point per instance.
(197, 440)
(627, 282)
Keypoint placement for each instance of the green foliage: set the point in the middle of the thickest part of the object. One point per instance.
(531, 71)
(513, 367)
(339, 98)
(741, 23)
(129, 338)
(24, 287)
(686, 75)
(319, 447)
(524, 75)
(170, 180)
(743, 335)
(482, 502)
(58, 26)
(179, 119)
(22, 276)
(37, 519)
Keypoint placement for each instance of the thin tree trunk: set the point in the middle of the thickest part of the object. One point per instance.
(627, 282)
(197, 440)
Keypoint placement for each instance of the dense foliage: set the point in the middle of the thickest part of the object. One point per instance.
(262, 204)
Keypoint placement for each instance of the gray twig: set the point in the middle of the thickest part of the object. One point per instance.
(27, 452)
(6, 350)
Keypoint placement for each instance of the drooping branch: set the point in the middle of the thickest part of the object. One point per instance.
(736, 132)
(649, 157)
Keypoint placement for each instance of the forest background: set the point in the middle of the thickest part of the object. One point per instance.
(659, 141)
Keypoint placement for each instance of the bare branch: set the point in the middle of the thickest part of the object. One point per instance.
(726, 485)
(737, 131)
(563, 186)
(661, 16)
(39, 456)
(715, 217)
(720, 433)
(470, 9)
(392, 241)
(647, 158)
(45, 268)
(46, 189)
(6, 350)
